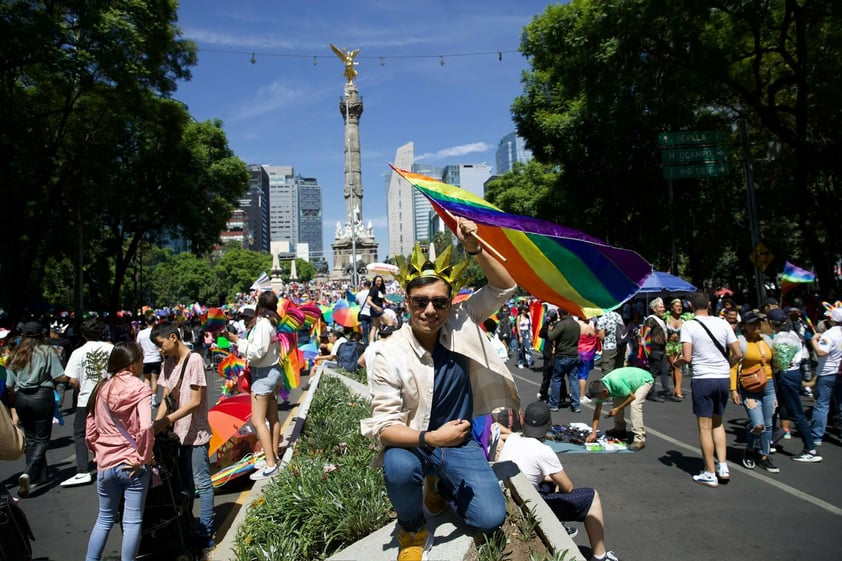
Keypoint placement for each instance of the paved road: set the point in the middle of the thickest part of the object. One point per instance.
(62, 518)
(655, 512)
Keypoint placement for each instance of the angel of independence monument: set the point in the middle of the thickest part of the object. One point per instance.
(354, 242)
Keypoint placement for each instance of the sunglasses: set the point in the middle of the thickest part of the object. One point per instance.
(421, 302)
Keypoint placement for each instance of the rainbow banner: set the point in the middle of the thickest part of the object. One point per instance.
(559, 265)
(794, 275)
(537, 313)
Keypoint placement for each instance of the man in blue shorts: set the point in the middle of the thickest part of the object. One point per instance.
(705, 342)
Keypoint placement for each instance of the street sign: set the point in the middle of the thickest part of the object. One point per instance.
(761, 257)
(695, 171)
(694, 155)
(690, 138)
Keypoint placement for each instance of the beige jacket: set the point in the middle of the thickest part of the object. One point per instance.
(400, 378)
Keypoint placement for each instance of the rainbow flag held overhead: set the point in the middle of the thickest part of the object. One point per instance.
(794, 275)
(559, 265)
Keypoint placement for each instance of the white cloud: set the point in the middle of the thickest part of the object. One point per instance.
(268, 99)
(455, 151)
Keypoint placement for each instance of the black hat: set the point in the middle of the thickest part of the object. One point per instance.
(248, 311)
(537, 420)
(32, 329)
(777, 315)
(552, 314)
(750, 317)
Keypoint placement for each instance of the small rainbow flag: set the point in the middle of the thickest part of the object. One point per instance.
(794, 275)
(216, 320)
(537, 311)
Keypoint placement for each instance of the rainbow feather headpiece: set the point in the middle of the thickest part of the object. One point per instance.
(418, 265)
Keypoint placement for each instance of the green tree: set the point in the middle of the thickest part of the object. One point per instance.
(607, 77)
(238, 268)
(72, 74)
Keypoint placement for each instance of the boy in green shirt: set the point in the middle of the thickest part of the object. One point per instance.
(628, 386)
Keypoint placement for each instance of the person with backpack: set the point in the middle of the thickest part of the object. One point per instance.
(262, 352)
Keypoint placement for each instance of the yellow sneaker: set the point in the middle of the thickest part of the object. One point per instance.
(414, 545)
(434, 503)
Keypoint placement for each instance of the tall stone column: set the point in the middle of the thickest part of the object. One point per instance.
(351, 108)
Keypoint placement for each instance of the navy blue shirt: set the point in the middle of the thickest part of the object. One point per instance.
(452, 394)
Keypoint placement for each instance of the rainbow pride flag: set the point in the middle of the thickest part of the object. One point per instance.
(537, 312)
(559, 265)
(794, 275)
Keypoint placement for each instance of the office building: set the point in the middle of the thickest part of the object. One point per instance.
(399, 205)
(510, 150)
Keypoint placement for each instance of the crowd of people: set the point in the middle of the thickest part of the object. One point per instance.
(425, 388)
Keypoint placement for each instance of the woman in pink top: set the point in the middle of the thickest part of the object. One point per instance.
(119, 433)
(588, 342)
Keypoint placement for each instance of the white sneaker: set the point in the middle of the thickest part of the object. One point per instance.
(265, 474)
(722, 471)
(23, 485)
(706, 479)
(585, 399)
(78, 479)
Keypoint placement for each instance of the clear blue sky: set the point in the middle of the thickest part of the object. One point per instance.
(284, 109)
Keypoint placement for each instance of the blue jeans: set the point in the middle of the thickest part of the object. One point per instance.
(524, 355)
(464, 476)
(825, 387)
(760, 414)
(789, 390)
(111, 485)
(194, 468)
(564, 368)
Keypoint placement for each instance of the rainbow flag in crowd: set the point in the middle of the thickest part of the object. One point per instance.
(794, 275)
(565, 267)
(537, 312)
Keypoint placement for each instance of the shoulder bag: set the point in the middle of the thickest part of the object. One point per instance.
(754, 379)
(171, 401)
(712, 338)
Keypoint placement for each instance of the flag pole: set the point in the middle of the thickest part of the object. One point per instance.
(488, 247)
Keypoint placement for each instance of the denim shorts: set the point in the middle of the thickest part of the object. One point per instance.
(710, 396)
(265, 380)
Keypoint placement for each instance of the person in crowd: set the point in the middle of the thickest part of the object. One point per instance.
(733, 319)
(705, 343)
(541, 466)
(151, 356)
(365, 311)
(120, 434)
(828, 348)
(183, 375)
(427, 382)
(524, 337)
(262, 352)
(564, 336)
(335, 339)
(390, 325)
(759, 405)
(628, 386)
(674, 320)
(504, 326)
(86, 366)
(787, 351)
(659, 364)
(548, 353)
(587, 347)
(377, 302)
(32, 371)
(611, 331)
(12, 441)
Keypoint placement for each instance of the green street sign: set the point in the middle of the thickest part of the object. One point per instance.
(690, 138)
(691, 172)
(694, 155)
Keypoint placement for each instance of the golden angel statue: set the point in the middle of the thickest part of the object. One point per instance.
(348, 58)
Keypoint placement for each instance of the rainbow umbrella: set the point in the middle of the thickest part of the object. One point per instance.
(571, 269)
(216, 320)
(309, 350)
(327, 313)
(346, 314)
(227, 418)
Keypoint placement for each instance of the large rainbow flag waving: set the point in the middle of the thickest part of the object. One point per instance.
(565, 267)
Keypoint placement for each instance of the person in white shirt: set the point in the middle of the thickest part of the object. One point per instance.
(151, 357)
(828, 348)
(705, 341)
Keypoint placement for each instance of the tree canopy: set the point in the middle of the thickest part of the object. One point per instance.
(95, 158)
(607, 77)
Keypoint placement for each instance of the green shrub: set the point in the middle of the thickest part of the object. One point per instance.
(328, 497)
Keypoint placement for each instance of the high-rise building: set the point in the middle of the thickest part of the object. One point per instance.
(255, 205)
(470, 177)
(283, 204)
(424, 216)
(399, 205)
(510, 150)
(310, 216)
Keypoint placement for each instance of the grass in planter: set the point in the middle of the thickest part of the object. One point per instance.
(328, 497)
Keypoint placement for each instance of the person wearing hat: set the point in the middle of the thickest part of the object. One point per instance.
(32, 371)
(541, 466)
(427, 382)
(828, 348)
(759, 404)
(659, 364)
(788, 347)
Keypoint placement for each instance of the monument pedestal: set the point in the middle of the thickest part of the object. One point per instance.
(343, 256)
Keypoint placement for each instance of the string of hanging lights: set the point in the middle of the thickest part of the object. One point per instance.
(381, 59)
